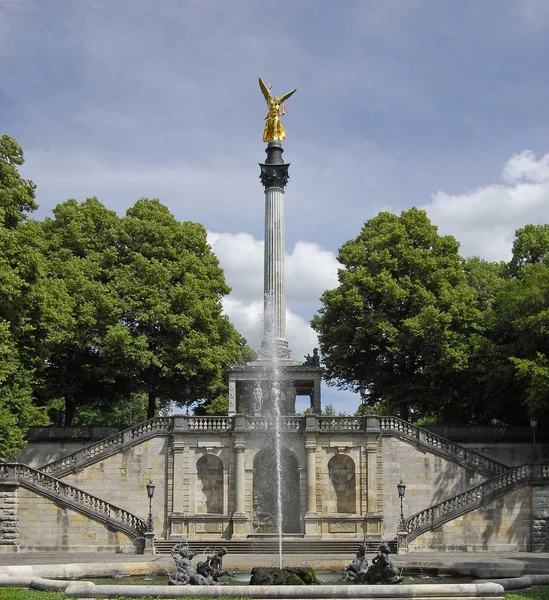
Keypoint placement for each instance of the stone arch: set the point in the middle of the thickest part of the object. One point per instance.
(209, 485)
(265, 502)
(341, 473)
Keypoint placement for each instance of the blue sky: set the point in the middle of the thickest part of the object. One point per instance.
(438, 104)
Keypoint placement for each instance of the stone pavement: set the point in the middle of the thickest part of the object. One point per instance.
(475, 564)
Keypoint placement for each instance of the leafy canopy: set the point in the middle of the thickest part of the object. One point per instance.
(401, 323)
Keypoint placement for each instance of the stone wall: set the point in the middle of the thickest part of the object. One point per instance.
(46, 527)
(121, 479)
(194, 472)
(429, 479)
(540, 519)
(512, 454)
(46, 444)
(9, 519)
(503, 525)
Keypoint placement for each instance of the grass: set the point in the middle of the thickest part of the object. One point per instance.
(24, 594)
(541, 593)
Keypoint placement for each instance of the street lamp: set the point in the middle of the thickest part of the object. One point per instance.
(401, 487)
(533, 425)
(150, 493)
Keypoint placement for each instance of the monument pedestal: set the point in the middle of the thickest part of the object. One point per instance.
(239, 526)
(311, 525)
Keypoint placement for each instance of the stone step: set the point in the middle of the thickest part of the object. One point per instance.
(251, 546)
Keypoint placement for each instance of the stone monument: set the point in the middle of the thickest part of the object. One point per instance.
(249, 384)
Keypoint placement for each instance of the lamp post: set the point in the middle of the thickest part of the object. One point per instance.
(533, 425)
(401, 487)
(150, 493)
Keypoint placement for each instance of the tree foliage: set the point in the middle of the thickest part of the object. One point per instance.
(416, 328)
(403, 319)
(26, 302)
(171, 334)
(145, 296)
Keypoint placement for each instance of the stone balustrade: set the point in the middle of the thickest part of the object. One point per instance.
(73, 497)
(482, 494)
(243, 423)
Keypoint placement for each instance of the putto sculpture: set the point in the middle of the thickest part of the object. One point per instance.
(380, 571)
(274, 132)
(207, 572)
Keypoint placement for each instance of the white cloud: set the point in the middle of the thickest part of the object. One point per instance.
(484, 220)
(310, 270)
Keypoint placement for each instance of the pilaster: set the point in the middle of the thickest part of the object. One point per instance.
(239, 515)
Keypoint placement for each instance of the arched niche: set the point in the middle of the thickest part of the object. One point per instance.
(209, 485)
(341, 473)
(265, 492)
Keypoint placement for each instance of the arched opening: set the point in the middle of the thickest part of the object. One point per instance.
(265, 504)
(341, 472)
(209, 485)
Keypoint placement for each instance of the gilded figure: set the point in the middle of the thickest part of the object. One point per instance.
(274, 132)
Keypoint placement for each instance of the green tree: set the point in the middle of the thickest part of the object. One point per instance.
(522, 331)
(531, 246)
(403, 319)
(145, 293)
(27, 302)
(172, 335)
(82, 253)
(487, 387)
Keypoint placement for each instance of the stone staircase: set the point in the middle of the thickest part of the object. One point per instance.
(425, 440)
(418, 436)
(434, 516)
(270, 546)
(74, 498)
(108, 446)
(502, 479)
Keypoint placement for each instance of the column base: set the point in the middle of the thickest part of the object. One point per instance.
(240, 521)
(311, 525)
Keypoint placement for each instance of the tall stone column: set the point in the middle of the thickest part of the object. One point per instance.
(274, 177)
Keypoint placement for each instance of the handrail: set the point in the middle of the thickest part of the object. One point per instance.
(442, 446)
(74, 498)
(108, 446)
(180, 423)
(451, 508)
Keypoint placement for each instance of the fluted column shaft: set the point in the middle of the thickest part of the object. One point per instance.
(274, 176)
(274, 276)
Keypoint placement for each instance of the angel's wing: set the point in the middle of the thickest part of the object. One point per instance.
(287, 95)
(265, 90)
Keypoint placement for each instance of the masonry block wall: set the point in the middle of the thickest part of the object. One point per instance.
(429, 479)
(46, 527)
(540, 519)
(503, 525)
(355, 474)
(9, 519)
(121, 479)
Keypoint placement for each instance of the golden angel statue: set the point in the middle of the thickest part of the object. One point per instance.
(273, 127)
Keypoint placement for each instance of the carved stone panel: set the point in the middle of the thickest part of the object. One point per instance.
(341, 527)
(209, 528)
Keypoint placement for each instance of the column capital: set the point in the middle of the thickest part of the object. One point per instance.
(274, 175)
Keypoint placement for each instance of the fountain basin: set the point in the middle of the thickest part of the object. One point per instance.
(62, 578)
(86, 589)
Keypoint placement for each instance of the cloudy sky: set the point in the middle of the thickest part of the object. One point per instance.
(432, 103)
